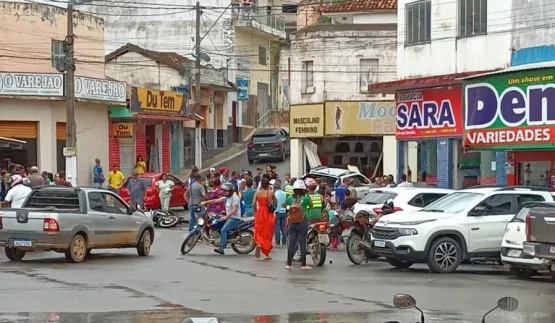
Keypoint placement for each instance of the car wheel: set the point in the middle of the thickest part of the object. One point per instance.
(523, 273)
(399, 264)
(145, 242)
(77, 251)
(444, 255)
(14, 254)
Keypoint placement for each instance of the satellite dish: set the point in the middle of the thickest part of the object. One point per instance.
(204, 57)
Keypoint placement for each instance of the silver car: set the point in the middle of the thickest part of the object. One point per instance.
(73, 221)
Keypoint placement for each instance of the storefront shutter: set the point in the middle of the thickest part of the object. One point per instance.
(19, 129)
(60, 131)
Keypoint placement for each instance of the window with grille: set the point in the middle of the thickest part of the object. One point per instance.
(418, 22)
(473, 17)
(307, 78)
(57, 52)
(368, 73)
(261, 55)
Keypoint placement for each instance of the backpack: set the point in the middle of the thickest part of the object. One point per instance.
(296, 214)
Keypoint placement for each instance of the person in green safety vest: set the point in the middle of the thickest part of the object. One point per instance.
(314, 212)
(288, 189)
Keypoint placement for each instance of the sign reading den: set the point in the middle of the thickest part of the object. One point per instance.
(429, 113)
(511, 110)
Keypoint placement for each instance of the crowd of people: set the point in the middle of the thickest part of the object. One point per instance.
(16, 183)
(283, 208)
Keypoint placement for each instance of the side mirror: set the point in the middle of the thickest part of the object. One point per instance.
(478, 210)
(404, 301)
(508, 304)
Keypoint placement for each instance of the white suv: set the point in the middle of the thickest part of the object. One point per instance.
(466, 225)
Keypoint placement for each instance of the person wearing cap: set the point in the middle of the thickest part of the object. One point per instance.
(137, 191)
(34, 177)
(18, 192)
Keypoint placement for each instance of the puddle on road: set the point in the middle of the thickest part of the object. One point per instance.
(178, 315)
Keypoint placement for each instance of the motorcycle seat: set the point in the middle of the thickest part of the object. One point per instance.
(249, 219)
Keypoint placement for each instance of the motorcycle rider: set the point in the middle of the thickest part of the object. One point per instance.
(232, 217)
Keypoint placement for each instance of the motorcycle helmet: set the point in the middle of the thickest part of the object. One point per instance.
(228, 189)
(299, 185)
(362, 217)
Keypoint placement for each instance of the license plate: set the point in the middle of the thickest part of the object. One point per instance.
(514, 253)
(552, 249)
(346, 232)
(324, 238)
(379, 244)
(264, 155)
(22, 243)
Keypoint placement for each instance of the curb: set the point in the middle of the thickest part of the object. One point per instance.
(224, 160)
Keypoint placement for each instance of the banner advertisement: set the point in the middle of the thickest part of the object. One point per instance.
(360, 118)
(154, 101)
(306, 121)
(31, 84)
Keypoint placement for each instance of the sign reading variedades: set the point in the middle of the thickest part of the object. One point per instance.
(31, 84)
(511, 110)
(99, 89)
(146, 100)
(306, 121)
(429, 113)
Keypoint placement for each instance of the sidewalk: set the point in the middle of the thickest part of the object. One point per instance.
(235, 150)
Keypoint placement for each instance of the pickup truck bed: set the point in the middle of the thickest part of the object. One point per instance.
(540, 232)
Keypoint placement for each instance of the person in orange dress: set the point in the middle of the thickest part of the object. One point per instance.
(263, 219)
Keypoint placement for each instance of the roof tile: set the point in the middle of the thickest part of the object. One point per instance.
(170, 59)
(362, 6)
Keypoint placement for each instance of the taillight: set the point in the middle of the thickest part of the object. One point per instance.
(322, 227)
(1, 226)
(528, 229)
(251, 146)
(276, 144)
(397, 209)
(50, 225)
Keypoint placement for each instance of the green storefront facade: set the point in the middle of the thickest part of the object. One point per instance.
(511, 115)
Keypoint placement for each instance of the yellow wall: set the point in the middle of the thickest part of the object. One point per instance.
(247, 43)
(29, 28)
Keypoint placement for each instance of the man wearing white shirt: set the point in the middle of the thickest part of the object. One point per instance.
(404, 182)
(18, 192)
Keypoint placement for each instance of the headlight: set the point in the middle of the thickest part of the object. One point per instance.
(200, 221)
(408, 231)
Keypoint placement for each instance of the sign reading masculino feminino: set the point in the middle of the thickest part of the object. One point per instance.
(306, 121)
(99, 89)
(31, 84)
(429, 113)
(511, 110)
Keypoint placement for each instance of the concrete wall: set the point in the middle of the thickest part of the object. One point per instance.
(336, 57)
(164, 30)
(27, 30)
(247, 44)
(447, 54)
(92, 131)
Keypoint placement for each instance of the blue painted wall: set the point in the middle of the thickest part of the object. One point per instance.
(400, 160)
(444, 163)
(533, 55)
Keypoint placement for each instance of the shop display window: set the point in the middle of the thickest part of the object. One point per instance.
(535, 173)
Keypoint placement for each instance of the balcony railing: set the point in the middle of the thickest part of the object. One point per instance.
(244, 14)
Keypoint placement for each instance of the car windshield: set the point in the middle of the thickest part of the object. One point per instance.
(454, 203)
(264, 138)
(377, 197)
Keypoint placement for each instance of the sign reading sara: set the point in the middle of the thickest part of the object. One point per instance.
(123, 130)
(306, 121)
(146, 100)
(31, 84)
(511, 110)
(429, 113)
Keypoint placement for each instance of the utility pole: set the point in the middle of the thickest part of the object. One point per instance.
(198, 132)
(71, 137)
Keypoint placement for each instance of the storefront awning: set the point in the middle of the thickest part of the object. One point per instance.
(11, 143)
(421, 82)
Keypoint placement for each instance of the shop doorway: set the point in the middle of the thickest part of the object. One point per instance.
(536, 168)
(126, 158)
(22, 130)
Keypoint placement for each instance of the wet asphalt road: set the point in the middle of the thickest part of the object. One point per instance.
(118, 286)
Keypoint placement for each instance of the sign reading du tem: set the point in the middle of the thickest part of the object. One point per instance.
(429, 113)
(511, 110)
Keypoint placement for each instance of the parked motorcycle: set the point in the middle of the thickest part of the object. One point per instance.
(339, 227)
(359, 247)
(208, 228)
(162, 219)
(405, 301)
